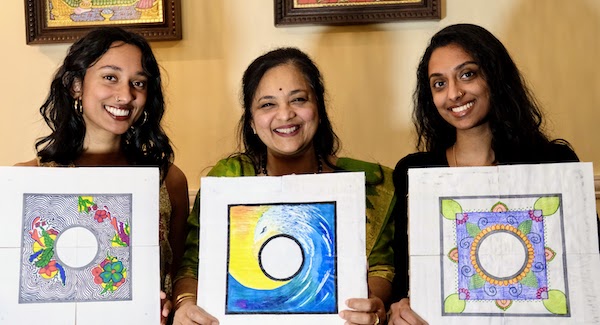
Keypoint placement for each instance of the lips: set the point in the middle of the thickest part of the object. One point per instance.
(118, 112)
(287, 129)
(461, 110)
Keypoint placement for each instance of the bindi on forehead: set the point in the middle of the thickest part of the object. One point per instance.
(280, 89)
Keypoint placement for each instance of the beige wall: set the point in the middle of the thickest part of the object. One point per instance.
(369, 73)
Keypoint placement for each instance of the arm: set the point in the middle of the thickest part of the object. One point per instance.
(177, 187)
(185, 286)
(380, 229)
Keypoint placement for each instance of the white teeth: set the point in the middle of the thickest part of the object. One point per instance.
(462, 108)
(117, 111)
(287, 130)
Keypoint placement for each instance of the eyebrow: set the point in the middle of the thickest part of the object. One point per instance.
(269, 97)
(117, 68)
(458, 67)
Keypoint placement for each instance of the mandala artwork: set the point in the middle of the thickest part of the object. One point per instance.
(503, 255)
(75, 248)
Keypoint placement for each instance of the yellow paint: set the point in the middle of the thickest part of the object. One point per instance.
(243, 260)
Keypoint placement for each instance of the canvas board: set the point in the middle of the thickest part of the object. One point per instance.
(504, 245)
(79, 245)
(287, 249)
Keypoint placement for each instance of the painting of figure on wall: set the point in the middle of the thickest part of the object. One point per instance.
(70, 13)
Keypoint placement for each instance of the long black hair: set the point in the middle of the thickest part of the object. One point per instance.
(144, 144)
(515, 118)
(325, 140)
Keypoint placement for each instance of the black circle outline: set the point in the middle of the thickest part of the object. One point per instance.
(493, 276)
(260, 257)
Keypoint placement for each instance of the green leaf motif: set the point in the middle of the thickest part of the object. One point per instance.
(453, 305)
(476, 282)
(45, 257)
(450, 208)
(473, 229)
(549, 205)
(83, 203)
(556, 302)
(525, 227)
(529, 280)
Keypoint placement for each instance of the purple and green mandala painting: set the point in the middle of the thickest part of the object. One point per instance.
(502, 256)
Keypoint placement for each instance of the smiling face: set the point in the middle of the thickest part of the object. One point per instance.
(284, 112)
(113, 91)
(460, 92)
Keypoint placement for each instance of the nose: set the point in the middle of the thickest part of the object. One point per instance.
(455, 92)
(124, 94)
(286, 112)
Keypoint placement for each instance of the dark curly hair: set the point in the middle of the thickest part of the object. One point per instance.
(144, 144)
(325, 140)
(515, 118)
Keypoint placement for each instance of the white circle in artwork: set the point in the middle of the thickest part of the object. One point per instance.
(281, 257)
(502, 254)
(76, 247)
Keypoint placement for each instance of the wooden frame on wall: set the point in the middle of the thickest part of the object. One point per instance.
(349, 12)
(65, 21)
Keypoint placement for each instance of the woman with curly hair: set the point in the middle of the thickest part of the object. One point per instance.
(104, 108)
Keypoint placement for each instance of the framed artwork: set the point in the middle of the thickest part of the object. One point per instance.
(79, 245)
(287, 249)
(65, 21)
(504, 245)
(348, 12)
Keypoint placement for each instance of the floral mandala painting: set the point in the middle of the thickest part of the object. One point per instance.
(501, 256)
(75, 248)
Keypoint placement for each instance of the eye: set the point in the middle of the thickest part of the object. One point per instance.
(110, 78)
(468, 75)
(437, 84)
(299, 100)
(266, 105)
(139, 84)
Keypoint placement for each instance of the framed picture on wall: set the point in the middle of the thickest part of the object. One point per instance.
(348, 12)
(65, 21)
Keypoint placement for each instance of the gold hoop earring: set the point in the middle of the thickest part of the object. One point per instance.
(145, 118)
(78, 106)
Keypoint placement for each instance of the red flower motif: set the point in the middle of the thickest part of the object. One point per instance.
(96, 273)
(100, 215)
(48, 269)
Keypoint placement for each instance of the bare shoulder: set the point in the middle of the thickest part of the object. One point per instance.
(31, 163)
(175, 178)
(177, 187)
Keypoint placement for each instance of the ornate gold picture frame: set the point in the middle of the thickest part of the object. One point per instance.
(64, 21)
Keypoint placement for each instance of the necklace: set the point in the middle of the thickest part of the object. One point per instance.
(454, 154)
(263, 165)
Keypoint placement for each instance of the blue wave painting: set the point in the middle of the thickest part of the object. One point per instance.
(312, 289)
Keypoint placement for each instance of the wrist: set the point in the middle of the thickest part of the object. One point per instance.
(184, 299)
